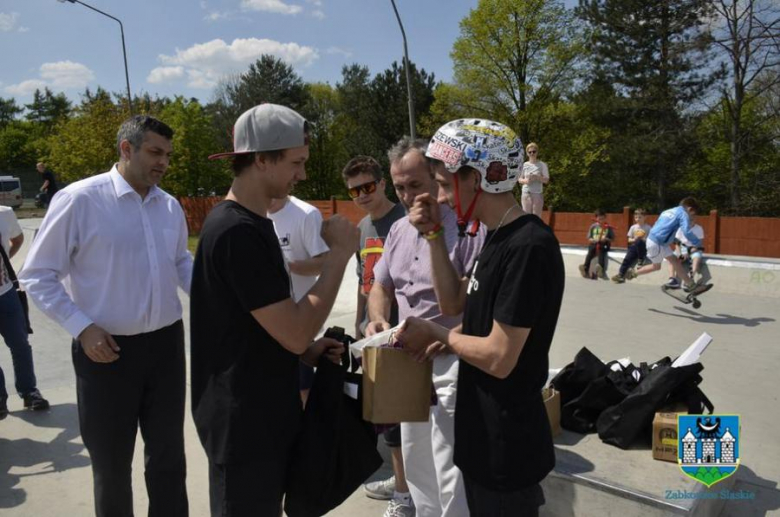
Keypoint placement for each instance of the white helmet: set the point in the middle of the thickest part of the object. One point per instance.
(489, 147)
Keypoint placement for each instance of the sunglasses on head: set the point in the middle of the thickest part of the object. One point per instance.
(366, 188)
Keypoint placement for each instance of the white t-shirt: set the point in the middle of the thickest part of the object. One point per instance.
(638, 230)
(298, 225)
(530, 169)
(9, 229)
(697, 230)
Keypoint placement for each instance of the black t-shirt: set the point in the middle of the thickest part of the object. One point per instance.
(52, 188)
(245, 399)
(502, 434)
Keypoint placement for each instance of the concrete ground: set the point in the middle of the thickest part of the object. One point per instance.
(44, 469)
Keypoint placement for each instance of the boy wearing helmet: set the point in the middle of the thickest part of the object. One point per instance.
(511, 301)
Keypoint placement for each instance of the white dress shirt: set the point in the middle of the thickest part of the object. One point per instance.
(105, 256)
(9, 229)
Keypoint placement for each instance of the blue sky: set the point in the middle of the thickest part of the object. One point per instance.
(184, 46)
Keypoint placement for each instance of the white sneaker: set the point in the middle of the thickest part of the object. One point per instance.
(382, 490)
(398, 509)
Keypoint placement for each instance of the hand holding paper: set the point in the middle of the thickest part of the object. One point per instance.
(415, 335)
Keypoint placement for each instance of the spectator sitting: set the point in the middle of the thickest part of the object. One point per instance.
(600, 236)
(637, 249)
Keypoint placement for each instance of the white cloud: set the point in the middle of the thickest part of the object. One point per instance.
(25, 88)
(271, 6)
(67, 74)
(319, 14)
(8, 21)
(205, 63)
(338, 51)
(163, 74)
(62, 75)
(24, 29)
(215, 16)
(318, 3)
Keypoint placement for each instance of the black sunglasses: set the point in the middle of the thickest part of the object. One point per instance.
(531, 152)
(366, 188)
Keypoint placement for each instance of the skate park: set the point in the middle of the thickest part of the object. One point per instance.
(45, 469)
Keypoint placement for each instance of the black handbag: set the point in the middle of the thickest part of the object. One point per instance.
(15, 282)
(631, 420)
(336, 449)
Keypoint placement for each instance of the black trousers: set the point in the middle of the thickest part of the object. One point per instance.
(635, 253)
(484, 502)
(602, 252)
(145, 387)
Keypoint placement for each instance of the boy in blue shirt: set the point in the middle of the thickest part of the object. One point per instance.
(662, 234)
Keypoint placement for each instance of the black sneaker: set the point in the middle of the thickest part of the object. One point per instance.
(673, 283)
(3, 409)
(35, 401)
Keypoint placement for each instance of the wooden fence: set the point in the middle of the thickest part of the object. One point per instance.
(746, 236)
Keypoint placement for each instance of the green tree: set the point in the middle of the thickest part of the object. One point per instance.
(269, 79)
(514, 58)
(709, 173)
(16, 151)
(8, 111)
(391, 104)
(48, 109)
(375, 110)
(326, 154)
(358, 112)
(190, 172)
(656, 54)
(749, 38)
(85, 144)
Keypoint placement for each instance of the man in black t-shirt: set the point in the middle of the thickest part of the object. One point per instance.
(248, 334)
(49, 187)
(503, 443)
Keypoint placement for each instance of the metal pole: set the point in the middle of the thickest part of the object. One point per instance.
(412, 125)
(124, 50)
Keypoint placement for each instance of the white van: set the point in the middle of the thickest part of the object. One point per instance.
(10, 191)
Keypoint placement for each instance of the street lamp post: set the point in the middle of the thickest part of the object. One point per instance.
(412, 125)
(124, 50)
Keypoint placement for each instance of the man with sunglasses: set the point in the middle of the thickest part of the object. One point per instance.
(366, 186)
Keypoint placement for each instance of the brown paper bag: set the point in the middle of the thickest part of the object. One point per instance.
(396, 388)
(552, 403)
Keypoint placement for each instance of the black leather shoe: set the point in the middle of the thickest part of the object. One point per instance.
(35, 401)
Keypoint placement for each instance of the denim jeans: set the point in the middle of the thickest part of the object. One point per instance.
(14, 331)
(635, 253)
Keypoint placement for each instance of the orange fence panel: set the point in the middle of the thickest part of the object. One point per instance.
(748, 236)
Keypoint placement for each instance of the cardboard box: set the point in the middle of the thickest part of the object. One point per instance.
(396, 388)
(665, 433)
(552, 403)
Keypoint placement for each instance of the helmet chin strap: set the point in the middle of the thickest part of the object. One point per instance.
(463, 219)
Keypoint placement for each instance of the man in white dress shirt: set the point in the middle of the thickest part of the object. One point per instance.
(122, 243)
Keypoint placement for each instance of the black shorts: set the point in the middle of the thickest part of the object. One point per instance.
(392, 436)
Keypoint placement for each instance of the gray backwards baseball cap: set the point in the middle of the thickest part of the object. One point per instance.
(267, 127)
